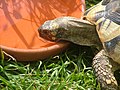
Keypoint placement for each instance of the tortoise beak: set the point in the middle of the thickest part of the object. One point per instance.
(47, 31)
(44, 31)
(46, 34)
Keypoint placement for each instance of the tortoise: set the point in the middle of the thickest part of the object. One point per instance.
(99, 27)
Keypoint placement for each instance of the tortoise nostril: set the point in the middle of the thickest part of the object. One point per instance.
(45, 32)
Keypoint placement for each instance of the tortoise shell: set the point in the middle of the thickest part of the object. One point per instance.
(106, 16)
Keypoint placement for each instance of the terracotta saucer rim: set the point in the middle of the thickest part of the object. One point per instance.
(54, 46)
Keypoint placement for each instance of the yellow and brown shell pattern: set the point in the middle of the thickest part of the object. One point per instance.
(106, 16)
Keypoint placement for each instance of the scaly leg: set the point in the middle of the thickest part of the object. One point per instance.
(103, 71)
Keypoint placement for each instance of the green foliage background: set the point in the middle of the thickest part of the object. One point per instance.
(90, 3)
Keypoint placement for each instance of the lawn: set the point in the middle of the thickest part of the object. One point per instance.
(70, 70)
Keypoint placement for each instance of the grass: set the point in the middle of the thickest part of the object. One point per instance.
(70, 70)
(90, 3)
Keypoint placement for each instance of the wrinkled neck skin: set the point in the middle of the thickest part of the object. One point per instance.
(82, 36)
(79, 31)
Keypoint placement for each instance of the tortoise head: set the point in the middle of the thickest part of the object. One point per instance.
(51, 30)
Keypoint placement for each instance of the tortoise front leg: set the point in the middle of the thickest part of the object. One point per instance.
(103, 71)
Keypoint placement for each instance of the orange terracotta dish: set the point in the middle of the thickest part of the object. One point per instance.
(20, 19)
